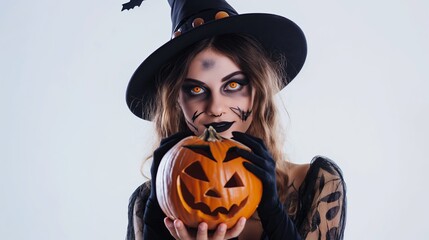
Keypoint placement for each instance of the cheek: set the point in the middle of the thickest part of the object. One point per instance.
(243, 99)
(246, 92)
(187, 110)
(244, 125)
(192, 111)
(186, 106)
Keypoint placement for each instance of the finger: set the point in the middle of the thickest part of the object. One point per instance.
(257, 171)
(181, 230)
(265, 163)
(169, 142)
(170, 226)
(176, 136)
(237, 229)
(256, 144)
(220, 232)
(245, 135)
(164, 147)
(202, 231)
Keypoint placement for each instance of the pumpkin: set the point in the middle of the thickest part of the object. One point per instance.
(201, 179)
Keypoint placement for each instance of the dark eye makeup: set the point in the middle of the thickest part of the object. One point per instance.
(193, 88)
(234, 85)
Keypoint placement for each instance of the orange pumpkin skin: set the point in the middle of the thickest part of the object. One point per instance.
(198, 180)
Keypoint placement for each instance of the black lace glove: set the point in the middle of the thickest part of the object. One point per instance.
(154, 227)
(275, 221)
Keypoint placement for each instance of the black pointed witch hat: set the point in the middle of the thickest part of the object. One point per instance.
(194, 20)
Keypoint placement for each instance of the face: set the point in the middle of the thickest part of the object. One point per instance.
(216, 93)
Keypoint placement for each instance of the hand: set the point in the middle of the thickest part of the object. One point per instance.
(165, 146)
(179, 231)
(263, 166)
(153, 215)
(276, 223)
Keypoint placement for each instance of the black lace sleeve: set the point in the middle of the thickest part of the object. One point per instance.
(323, 208)
(136, 209)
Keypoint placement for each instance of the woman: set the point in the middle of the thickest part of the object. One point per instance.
(227, 78)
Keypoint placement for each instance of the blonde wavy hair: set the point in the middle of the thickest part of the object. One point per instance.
(265, 77)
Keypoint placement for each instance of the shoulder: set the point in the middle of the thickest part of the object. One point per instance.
(139, 195)
(322, 196)
(322, 172)
(319, 167)
(141, 191)
(319, 170)
(136, 207)
(323, 165)
(324, 182)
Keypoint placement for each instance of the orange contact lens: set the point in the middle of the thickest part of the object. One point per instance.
(196, 90)
(233, 85)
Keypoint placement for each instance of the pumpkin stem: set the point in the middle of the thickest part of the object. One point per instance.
(210, 135)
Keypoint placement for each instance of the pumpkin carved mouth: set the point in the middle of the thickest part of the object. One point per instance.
(190, 201)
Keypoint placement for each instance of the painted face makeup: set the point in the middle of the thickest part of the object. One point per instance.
(208, 63)
(240, 113)
(216, 93)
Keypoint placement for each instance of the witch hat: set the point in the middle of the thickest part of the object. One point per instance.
(194, 20)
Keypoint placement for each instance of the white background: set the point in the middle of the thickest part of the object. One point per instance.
(71, 149)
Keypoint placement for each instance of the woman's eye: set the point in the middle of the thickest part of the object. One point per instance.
(233, 86)
(197, 90)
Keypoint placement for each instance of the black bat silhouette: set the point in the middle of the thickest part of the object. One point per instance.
(131, 4)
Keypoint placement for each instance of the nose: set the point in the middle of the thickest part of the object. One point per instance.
(216, 106)
(213, 193)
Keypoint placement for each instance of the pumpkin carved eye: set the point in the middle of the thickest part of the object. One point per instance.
(231, 154)
(202, 149)
(195, 170)
(234, 181)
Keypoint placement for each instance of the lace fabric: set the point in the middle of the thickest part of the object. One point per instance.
(318, 207)
(322, 202)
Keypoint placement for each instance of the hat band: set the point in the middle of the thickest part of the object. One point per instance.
(199, 19)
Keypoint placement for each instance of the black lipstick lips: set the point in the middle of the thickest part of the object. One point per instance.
(220, 126)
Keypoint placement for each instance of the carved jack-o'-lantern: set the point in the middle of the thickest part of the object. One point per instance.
(202, 179)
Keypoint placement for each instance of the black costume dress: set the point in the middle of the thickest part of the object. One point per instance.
(318, 207)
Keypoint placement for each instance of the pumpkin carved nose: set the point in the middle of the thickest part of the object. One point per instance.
(212, 193)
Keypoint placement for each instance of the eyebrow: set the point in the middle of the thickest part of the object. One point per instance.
(231, 75)
(227, 77)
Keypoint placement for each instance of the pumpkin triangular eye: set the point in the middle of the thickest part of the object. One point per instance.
(231, 154)
(201, 149)
(234, 181)
(195, 170)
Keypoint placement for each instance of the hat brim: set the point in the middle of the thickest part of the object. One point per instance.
(277, 34)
